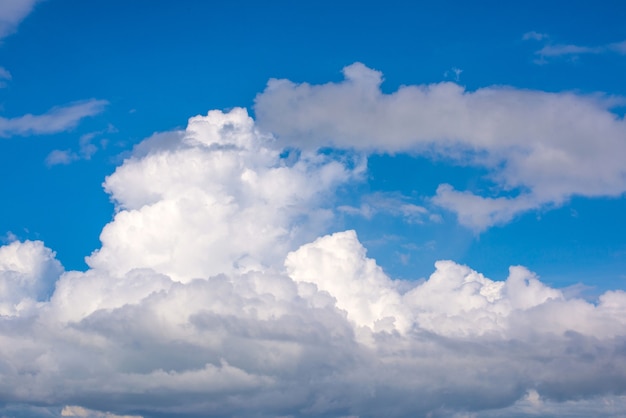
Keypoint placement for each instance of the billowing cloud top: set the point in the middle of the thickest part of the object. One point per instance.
(545, 146)
(214, 295)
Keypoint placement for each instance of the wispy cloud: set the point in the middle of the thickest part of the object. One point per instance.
(393, 204)
(12, 12)
(5, 76)
(552, 50)
(535, 36)
(86, 149)
(57, 119)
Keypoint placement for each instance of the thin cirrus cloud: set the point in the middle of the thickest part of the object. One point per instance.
(551, 50)
(218, 291)
(541, 147)
(86, 150)
(12, 12)
(5, 77)
(393, 204)
(571, 49)
(57, 119)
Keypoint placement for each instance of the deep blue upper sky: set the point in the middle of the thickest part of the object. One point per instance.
(157, 63)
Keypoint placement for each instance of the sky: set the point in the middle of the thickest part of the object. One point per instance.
(321, 209)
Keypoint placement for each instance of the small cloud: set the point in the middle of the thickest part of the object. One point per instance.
(393, 204)
(454, 73)
(87, 148)
(560, 50)
(5, 76)
(574, 51)
(534, 36)
(61, 157)
(56, 120)
(8, 238)
(365, 210)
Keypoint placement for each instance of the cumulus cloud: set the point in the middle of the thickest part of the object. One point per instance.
(217, 292)
(28, 271)
(541, 148)
(57, 119)
(225, 184)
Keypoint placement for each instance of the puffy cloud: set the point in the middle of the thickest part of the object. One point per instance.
(545, 147)
(57, 119)
(213, 295)
(28, 271)
(231, 201)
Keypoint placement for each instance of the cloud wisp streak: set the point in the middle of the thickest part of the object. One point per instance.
(218, 292)
(57, 119)
(542, 147)
(12, 12)
(552, 50)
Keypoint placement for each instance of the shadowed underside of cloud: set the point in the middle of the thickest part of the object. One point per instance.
(544, 147)
(217, 293)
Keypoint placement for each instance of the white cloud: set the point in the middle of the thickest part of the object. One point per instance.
(548, 146)
(213, 295)
(57, 119)
(258, 201)
(479, 213)
(12, 12)
(28, 271)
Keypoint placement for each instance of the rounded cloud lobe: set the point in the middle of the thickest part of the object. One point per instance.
(217, 293)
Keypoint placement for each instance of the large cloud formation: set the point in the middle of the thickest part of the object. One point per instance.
(539, 148)
(214, 295)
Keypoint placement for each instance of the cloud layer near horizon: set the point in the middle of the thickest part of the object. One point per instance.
(218, 292)
(539, 148)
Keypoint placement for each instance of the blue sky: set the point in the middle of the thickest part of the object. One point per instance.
(491, 135)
